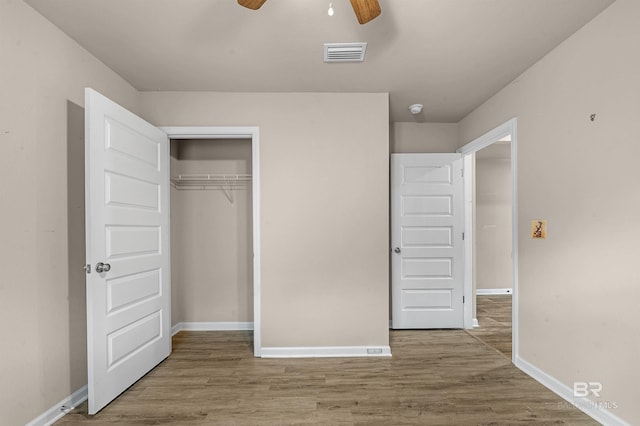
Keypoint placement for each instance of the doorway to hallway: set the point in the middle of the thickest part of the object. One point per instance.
(502, 139)
(493, 275)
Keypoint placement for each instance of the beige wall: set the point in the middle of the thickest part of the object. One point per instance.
(579, 289)
(211, 246)
(423, 137)
(324, 207)
(493, 218)
(42, 78)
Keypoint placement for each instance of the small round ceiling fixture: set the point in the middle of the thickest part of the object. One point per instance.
(415, 109)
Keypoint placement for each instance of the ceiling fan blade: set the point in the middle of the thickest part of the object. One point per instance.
(366, 10)
(251, 4)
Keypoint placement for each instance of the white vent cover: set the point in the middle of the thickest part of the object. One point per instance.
(344, 52)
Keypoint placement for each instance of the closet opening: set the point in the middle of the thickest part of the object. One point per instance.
(212, 234)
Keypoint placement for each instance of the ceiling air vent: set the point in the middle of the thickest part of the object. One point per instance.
(344, 52)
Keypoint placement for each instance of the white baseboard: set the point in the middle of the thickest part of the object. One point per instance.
(326, 352)
(56, 412)
(211, 326)
(589, 407)
(493, 291)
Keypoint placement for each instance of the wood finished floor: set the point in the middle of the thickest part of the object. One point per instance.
(494, 316)
(436, 377)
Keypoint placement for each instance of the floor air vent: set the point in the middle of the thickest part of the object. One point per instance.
(344, 52)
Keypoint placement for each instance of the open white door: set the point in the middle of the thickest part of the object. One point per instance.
(127, 231)
(427, 241)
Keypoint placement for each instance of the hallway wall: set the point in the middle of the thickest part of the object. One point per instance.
(493, 217)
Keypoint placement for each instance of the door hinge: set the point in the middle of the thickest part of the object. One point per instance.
(462, 299)
(87, 268)
(463, 236)
(462, 172)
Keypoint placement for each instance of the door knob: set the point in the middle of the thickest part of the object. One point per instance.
(102, 267)
(397, 250)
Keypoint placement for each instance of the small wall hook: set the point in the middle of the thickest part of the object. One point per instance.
(593, 117)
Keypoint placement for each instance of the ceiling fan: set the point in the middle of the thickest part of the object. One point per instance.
(366, 10)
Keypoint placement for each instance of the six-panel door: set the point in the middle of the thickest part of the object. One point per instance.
(427, 249)
(127, 221)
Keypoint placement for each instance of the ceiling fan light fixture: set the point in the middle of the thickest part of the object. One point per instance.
(365, 10)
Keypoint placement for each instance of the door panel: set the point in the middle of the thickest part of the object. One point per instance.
(427, 236)
(426, 205)
(421, 267)
(127, 219)
(125, 291)
(130, 192)
(427, 256)
(425, 299)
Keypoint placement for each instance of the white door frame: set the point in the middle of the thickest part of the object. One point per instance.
(253, 133)
(508, 128)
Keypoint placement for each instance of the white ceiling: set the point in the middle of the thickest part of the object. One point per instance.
(450, 55)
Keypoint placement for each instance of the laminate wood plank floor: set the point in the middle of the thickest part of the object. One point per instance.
(494, 317)
(435, 377)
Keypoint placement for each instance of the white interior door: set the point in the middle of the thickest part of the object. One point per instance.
(127, 231)
(427, 240)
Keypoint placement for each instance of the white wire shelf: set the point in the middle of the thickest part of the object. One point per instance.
(225, 182)
(210, 180)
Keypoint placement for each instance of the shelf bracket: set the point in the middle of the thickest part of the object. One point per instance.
(228, 192)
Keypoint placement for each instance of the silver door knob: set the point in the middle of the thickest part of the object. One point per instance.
(397, 250)
(102, 267)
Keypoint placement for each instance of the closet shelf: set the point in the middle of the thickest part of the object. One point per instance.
(225, 182)
(209, 180)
